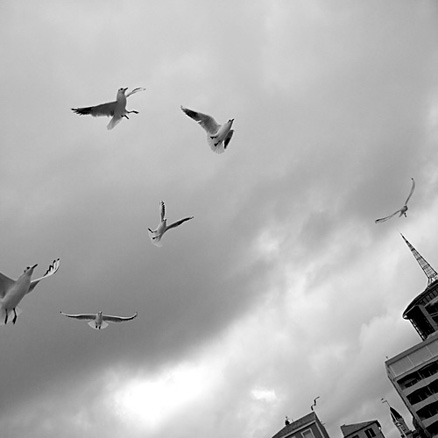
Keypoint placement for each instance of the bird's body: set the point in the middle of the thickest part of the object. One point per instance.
(18, 290)
(162, 227)
(116, 109)
(98, 320)
(12, 292)
(402, 210)
(218, 136)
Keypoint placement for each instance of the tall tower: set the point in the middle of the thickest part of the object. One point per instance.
(423, 310)
(414, 372)
(400, 424)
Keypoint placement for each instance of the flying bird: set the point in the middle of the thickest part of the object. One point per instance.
(157, 234)
(218, 136)
(402, 210)
(12, 292)
(117, 109)
(98, 320)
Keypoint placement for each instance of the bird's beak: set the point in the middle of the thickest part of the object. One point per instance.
(124, 90)
(34, 266)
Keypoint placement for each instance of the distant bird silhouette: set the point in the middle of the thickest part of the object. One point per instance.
(117, 109)
(98, 320)
(218, 136)
(157, 234)
(314, 403)
(12, 292)
(286, 421)
(402, 210)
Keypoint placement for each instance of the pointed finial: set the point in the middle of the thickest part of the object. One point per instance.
(431, 274)
(383, 400)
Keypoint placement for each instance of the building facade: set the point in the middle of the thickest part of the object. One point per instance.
(414, 374)
(367, 429)
(308, 426)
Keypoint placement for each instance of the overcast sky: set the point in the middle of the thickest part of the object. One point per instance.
(282, 288)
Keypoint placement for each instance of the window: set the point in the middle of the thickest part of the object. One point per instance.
(308, 434)
(370, 433)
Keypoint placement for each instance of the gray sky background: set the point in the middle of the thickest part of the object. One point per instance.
(282, 288)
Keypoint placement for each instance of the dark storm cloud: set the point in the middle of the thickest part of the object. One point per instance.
(282, 278)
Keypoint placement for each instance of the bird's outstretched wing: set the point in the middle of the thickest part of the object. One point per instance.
(50, 271)
(81, 316)
(206, 121)
(104, 109)
(412, 191)
(162, 211)
(5, 284)
(111, 318)
(178, 223)
(135, 90)
(384, 219)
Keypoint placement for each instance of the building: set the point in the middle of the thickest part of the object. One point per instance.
(423, 310)
(367, 429)
(400, 423)
(308, 426)
(414, 372)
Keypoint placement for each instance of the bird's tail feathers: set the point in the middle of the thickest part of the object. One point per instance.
(219, 148)
(113, 122)
(92, 324)
(155, 239)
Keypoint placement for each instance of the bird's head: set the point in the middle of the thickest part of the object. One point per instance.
(122, 90)
(27, 274)
(29, 269)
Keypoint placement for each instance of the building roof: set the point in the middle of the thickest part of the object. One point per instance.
(432, 338)
(395, 414)
(297, 425)
(419, 298)
(350, 429)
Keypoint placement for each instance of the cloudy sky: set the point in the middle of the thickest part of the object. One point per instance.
(282, 288)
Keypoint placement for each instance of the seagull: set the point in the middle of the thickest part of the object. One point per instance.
(12, 292)
(402, 210)
(98, 320)
(157, 234)
(117, 109)
(218, 136)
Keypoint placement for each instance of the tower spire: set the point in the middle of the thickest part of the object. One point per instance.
(431, 274)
